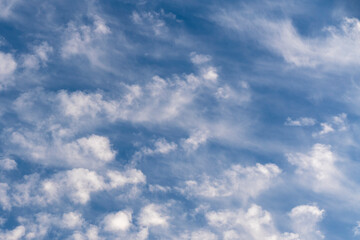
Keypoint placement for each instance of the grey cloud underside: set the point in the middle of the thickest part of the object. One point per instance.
(178, 120)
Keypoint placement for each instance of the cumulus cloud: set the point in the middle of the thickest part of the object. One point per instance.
(91, 151)
(8, 164)
(195, 140)
(304, 121)
(120, 221)
(38, 58)
(75, 185)
(8, 66)
(72, 220)
(83, 40)
(199, 58)
(318, 168)
(153, 215)
(159, 100)
(304, 220)
(15, 234)
(245, 182)
(253, 224)
(161, 146)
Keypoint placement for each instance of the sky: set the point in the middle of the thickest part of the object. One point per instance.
(189, 120)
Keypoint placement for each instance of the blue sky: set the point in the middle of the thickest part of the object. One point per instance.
(179, 120)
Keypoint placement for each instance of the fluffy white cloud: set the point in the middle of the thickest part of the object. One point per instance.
(72, 220)
(195, 140)
(161, 146)
(7, 64)
(89, 150)
(241, 181)
(130, 176)
(257, 224)
(8, 164)
(304, 220)
(39, 57)
(92, 151)
(15, 234)
(120, 221)
(202, 234)
(253, 224)
(84, 40)
(199, 58)
(153, 215)
(318, 168)
(75, 185)
(7, 68)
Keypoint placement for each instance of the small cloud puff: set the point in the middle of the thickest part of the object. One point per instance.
(199, 58)
(120, 221)
(8, 164)
(304, 121)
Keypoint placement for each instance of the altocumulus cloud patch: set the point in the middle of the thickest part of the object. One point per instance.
(179, 120)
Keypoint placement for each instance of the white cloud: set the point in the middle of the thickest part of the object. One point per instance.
(356, 229)
(8, 164)
(318, 168)
(153, 22)
(39, 57)
(7, 68)
(199, 58)
(92, 233)
(100, 26)
(253, 224)
(84, 40)
(326, 128)
(202, 234)
(92, 151)
(77, 184)
(7, 64)
(153, 215)
(6, 7)
(161, 146)
(241, 181)
(72, 220)
(258, 224)
(304, 221)
(89, 150)
(15, 234)
(335, 124)
(210, 74)
(4, 198)
(130, 176)
(304, 121)
(337, 45)
(78, 104)
(120, 221)
(195, 140)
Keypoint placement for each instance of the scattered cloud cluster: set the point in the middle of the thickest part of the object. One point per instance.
(124, 120)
